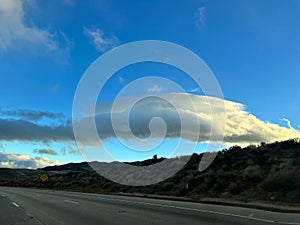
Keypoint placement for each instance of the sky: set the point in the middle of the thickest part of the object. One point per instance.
(252, 47)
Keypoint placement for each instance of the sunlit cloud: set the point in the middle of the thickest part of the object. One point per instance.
(242, 127)
(12, 160)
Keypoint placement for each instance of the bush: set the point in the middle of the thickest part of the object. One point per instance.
(279, 181)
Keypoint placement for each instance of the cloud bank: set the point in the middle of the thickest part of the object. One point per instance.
(242, 127)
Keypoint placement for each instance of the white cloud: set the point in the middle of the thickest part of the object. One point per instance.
(155, 89)
(288, 122)
(14, 33)
(121, 80)
(242, 128)
(199, 17)
(99, 40)
(13, 160)
(194, 90)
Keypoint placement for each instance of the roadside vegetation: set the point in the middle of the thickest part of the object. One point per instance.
(268, 172)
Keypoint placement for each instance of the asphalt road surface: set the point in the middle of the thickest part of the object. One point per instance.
(19, 206)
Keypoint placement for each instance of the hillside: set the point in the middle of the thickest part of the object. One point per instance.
(269, 172)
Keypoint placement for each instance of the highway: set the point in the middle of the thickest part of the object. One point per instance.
(19, 206)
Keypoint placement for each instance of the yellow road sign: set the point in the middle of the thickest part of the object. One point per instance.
(44, 177)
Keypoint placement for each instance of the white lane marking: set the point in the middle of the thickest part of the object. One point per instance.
(204, 211)
(69, 201)
(15, 204)
(3, 196)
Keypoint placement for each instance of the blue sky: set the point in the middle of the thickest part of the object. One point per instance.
(252, 47)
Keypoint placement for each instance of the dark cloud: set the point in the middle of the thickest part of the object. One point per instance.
(32, 115)
(22, 130)
(70, 150)
(73, 151)
(45, 151)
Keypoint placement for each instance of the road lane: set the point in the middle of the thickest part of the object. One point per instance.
(71, 208)
(12, 214)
